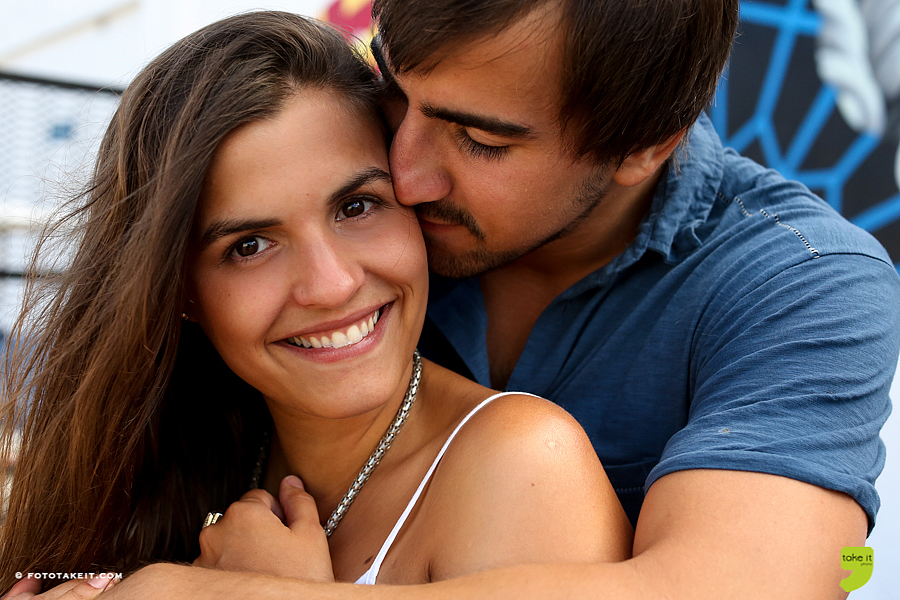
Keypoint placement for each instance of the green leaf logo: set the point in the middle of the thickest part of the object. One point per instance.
(860, 561)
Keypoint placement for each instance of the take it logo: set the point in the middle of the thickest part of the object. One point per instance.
(860, 561)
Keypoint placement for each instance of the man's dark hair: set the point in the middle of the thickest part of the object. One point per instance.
(634, 72)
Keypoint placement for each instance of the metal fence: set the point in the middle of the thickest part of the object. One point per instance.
(49, 135)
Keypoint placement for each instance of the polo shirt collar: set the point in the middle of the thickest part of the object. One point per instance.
(681, 204)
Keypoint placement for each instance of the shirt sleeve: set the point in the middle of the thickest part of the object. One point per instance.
(790, 376)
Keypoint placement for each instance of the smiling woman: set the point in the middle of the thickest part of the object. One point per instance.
(308, 198)
(242, 309)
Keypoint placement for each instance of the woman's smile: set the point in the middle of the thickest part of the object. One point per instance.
(337, 342)
(338, 338)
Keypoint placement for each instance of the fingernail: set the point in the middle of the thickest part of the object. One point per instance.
(294, 481)
(100, 581)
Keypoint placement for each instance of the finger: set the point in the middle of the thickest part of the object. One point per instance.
(63, 591)
(266, 499)
(299, 507)
(23, 586)
(258, 495)
(84, 589)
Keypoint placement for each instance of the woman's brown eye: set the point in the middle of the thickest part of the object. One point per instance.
(353, 209)
(247, 247)
(357, 207)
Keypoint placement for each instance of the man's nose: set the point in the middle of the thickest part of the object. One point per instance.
(418, 167)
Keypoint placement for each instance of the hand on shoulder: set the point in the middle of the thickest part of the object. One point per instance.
(263, 535)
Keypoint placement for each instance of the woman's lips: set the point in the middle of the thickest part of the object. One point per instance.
(348, 336)
(343, 348)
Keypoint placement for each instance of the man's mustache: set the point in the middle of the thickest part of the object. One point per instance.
(449, 214)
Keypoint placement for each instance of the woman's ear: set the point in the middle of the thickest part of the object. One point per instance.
(640, 165)
(187, 310)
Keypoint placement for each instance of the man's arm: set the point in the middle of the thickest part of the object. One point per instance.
(702, 534)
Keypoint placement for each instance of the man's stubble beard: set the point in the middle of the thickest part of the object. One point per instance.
(480, 260)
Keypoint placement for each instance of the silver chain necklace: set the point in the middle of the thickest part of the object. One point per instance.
(374, 459)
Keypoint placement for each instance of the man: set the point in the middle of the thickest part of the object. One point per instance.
(726, 340)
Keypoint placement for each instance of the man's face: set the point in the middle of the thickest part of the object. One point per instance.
(478, 151)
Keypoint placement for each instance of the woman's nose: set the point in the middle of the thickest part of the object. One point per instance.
(328, 275)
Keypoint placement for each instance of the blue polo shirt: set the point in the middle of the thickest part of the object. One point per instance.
(748, 327)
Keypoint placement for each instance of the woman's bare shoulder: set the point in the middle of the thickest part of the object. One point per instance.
(507, 429)
(520, 432)
(521, 483)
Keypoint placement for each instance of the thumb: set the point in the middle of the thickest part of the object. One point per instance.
(89, 589)
(82, 589)
(23, 586)
(299, 507)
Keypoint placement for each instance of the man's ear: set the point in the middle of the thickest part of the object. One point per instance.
(640, 165)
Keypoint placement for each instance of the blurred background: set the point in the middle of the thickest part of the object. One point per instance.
(812, 89)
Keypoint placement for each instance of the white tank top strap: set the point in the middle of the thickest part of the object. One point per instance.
(369, 577)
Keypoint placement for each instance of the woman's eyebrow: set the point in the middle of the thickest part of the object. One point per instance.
(219, 229)
(362, 178)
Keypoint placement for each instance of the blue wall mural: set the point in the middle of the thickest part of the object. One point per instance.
(813, 90)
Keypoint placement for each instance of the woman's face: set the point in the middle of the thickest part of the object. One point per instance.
(307, 275)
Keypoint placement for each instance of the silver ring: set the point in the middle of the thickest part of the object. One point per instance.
(211, 517)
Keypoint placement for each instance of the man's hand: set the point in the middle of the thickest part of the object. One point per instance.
(77, 589)
(23, 589)
(702, 535)
(252, 537)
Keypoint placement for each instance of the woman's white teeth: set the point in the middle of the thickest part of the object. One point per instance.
(354, 334)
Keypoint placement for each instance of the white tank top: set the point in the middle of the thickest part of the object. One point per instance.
(369, 577)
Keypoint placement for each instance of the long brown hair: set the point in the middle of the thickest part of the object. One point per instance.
(131, 426)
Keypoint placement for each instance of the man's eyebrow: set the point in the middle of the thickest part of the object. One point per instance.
(490, 125)
(219, 229)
